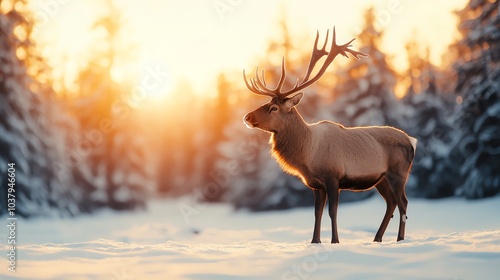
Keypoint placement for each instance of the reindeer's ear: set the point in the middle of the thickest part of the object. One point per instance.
(293, 101)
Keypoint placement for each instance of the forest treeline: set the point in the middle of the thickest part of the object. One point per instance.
(89, 146)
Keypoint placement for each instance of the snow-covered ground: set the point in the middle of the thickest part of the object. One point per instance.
(446, 239)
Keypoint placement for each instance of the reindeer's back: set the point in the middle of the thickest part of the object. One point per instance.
(396, 143)
(351, 151)
(361, 150)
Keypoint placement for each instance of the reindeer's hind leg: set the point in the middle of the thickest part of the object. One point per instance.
(385, 190)
(399, 183)
(402, 205)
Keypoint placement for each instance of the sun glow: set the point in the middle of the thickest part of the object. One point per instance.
(197, 42)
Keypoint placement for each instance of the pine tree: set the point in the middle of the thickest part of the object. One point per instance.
(115, 150)
(364, 93)
(34, 126)
(216, 117)
(478, 85)
(421, 72)
(427, 118)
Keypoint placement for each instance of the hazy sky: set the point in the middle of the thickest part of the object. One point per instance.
(196, 40)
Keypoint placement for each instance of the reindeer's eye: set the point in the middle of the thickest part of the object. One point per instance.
(273, 109)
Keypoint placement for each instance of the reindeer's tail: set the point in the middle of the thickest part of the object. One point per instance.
(413, 142)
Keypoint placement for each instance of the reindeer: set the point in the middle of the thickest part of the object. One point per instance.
(327, 156)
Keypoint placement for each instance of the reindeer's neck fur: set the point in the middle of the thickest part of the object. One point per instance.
(291, 145)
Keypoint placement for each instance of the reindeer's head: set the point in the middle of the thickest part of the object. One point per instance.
(276, 114)
(273, 115)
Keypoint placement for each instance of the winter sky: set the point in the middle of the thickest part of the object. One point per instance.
(195, 40)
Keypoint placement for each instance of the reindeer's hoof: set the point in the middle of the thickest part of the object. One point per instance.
(377, 239)
(335, 241)
(400, 238)
(315, 241)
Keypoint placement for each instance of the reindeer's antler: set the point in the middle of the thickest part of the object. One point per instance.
(258, 83)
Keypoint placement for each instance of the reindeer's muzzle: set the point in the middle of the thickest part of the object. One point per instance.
(250, 121)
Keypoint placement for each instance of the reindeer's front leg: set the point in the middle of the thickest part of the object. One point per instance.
(332, 190)
(319, 205)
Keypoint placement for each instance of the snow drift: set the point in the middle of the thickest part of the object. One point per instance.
(446, 239)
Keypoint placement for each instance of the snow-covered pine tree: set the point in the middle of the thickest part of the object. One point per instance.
(421, 73)
(478, 86)
(216, 117)
(364, 92)
(35, 128)
(426, 117)
(115, 151)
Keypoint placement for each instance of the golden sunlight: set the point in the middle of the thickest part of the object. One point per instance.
(197, 42)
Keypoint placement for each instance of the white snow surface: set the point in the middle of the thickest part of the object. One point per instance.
(445, 239)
